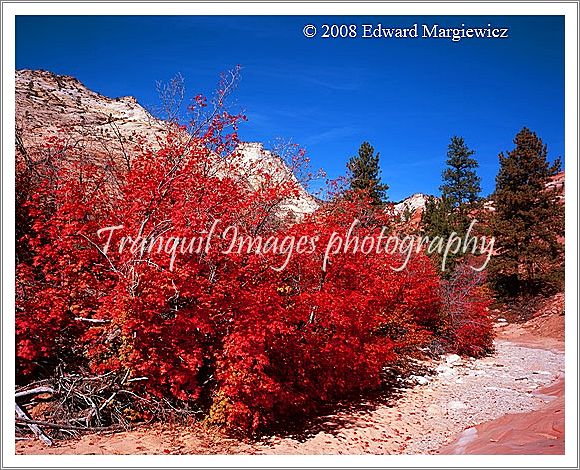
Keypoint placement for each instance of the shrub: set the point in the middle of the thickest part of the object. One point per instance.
(466, 302)
(258, 344)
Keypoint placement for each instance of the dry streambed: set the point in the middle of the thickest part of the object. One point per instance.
(441, 409)
(460, 395)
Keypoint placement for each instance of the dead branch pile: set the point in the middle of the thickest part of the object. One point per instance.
(68, 404)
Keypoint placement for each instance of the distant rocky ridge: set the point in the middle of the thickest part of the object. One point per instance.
(557, 184)
(410, 210)
(414, 206)
(47, 103)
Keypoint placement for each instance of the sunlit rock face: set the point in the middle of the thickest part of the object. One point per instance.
(257, 164)
(50, 105)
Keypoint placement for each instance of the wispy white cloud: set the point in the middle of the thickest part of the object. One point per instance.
(332, 134)
(331, 78)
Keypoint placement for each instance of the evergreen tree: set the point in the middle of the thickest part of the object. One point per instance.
(460, 190)
(365, 173)
(407, 214)
(461, 185)
(436, 219)
(528, 220)
(439, 220)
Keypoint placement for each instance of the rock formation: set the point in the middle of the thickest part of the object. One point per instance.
(49, 105)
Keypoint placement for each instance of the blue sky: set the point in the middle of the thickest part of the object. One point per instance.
(407, 97)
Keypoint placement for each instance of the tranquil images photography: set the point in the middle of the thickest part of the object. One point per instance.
(290, 235)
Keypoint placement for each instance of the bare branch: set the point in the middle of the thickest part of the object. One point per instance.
(33, 425)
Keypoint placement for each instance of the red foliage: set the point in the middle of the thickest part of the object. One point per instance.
(466, 303)
(326, 335)
(261, 344)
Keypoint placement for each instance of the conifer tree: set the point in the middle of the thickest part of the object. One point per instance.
(528, 220)
(436, 218)
(365, 173)
(439, 220)
(460, 190)
(461, 185)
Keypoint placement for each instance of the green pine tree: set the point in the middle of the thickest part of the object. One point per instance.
(461, 185)
(438, 220)
(407, 214)
(365, 173)
(460, 190)
(528, 221)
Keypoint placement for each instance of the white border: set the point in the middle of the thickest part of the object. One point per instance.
(292, 8)
(10, 10)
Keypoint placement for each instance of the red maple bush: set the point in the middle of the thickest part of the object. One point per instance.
(214, 325)
(326, 335)
(466, 300)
